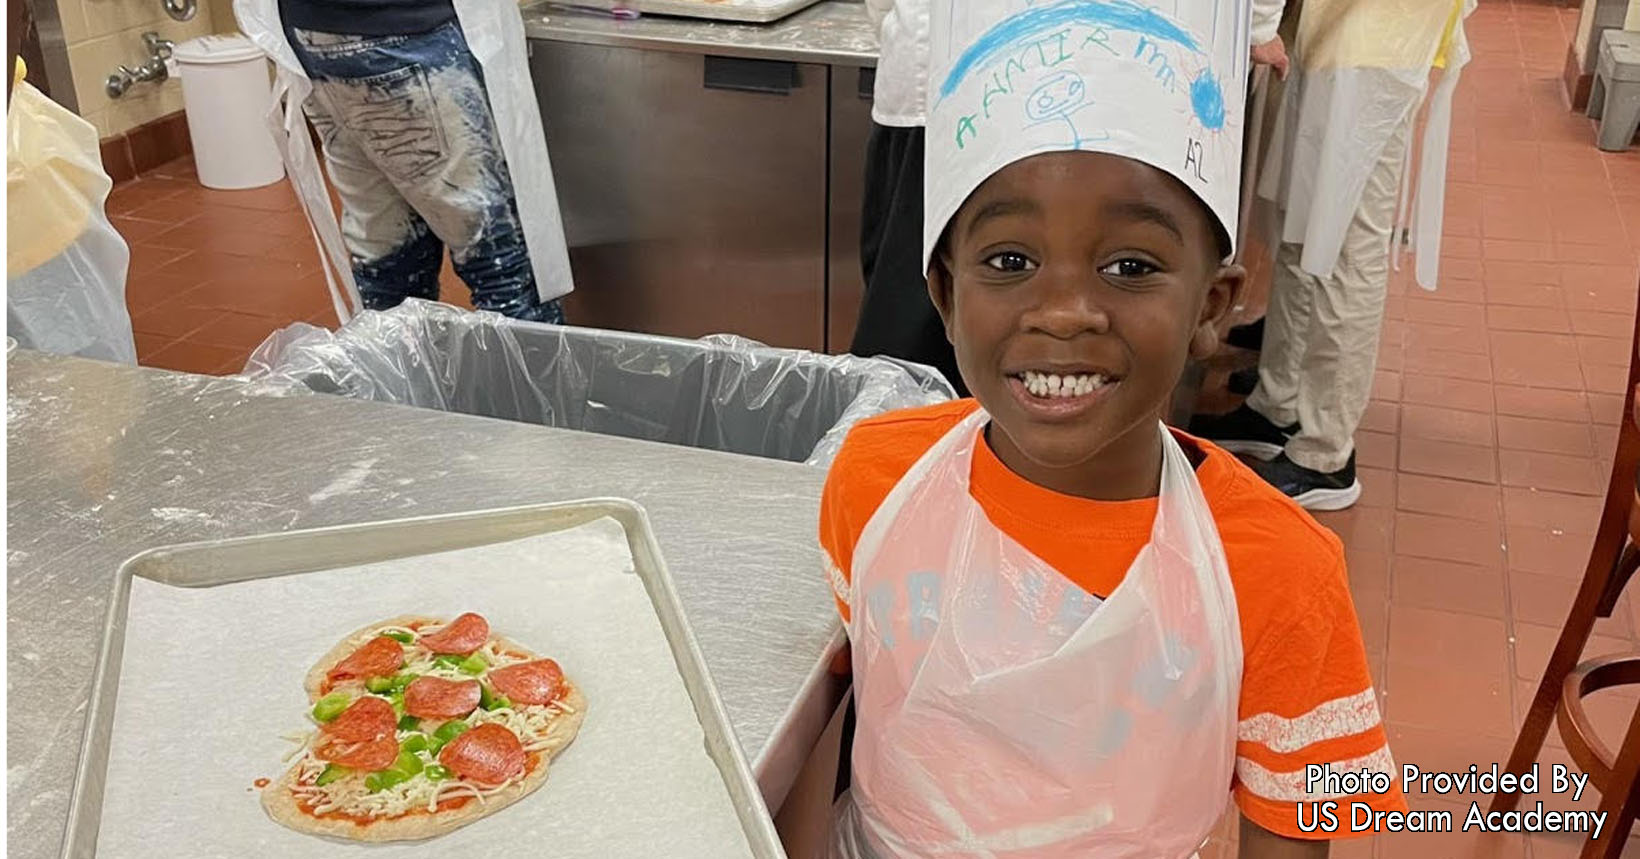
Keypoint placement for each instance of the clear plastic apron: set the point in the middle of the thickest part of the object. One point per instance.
(494, 30)
(1006, 713)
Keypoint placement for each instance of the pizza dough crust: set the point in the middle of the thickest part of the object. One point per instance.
(281, 804)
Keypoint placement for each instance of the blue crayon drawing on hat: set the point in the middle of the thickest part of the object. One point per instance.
(1002, 60)
(1057, 99)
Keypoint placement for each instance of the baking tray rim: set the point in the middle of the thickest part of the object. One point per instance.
(83, 824)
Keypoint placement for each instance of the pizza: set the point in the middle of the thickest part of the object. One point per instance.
(421, 726)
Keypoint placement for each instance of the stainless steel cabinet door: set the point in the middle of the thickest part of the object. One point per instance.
(850, 132)
(693, 190)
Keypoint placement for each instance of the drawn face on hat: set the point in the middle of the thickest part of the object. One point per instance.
(1057, 96)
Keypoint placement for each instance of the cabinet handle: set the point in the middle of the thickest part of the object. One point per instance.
(765, 76)
(868, 84)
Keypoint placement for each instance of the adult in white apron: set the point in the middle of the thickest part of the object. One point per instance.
(1361, 74)
(1338, 170)
(494, 33)
(1005, 713)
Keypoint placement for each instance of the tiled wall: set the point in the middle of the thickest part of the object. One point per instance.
(103, 34)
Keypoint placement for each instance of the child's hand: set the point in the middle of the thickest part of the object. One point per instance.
(1273, 54)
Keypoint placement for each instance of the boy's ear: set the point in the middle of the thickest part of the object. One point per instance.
(1223, 291)
(940, 288)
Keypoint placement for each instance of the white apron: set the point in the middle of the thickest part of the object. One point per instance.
(494, 30)
(1006, 713)
(1361, 71)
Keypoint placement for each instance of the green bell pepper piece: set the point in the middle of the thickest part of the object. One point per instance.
(449, 660)
(330, 774)
(414, 743)
(474, 664)
(409, 723)
(331, 706)
(436, 772)
(407, 763)
(379, 684)
(383, 780)
(401, 637)
(450, 730)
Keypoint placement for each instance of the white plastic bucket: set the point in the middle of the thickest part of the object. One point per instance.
(226, 91)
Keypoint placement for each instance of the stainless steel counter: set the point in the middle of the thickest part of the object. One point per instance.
(105, 461)
(832, 32)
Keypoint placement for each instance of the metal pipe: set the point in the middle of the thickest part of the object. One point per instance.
(159, 50)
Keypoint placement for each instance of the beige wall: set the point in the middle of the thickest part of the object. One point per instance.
(103, 34)
(1632, 22)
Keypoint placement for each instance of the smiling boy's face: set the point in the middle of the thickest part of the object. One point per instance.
(1074, 285)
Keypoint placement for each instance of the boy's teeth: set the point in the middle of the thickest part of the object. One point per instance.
(1052, 385)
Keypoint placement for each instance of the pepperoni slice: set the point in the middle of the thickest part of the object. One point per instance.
(437, 698)
(378, 657)
(363, 721)
(377, 754)
(465, 634)
(488, 754)
(538, 682)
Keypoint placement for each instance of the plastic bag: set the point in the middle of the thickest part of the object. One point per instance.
(721, 393)
(1361, 71)
(1126, 748)
(65, 263)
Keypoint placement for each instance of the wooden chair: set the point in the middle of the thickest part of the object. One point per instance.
(1565, 683)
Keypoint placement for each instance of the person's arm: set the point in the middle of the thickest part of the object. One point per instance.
(1260, 843)
(1268, 49)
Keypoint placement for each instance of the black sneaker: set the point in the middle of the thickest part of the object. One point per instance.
(1249, 336)
(1313, 490)
(1242, 382)
(1243, 431)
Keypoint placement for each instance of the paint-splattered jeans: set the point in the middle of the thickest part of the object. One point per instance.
(413, 151)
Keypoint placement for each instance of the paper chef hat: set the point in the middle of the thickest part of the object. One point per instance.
(1158, 81)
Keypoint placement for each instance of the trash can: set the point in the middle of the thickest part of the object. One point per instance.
(722, 392)
(226, 92)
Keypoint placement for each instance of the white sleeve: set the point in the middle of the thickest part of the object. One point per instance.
(1266, 19)
(878, 10)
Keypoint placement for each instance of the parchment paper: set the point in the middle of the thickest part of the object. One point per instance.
(211, 680)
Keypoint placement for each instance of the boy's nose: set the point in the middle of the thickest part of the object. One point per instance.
(1067, 304)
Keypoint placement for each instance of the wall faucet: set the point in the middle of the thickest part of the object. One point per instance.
(159, 50)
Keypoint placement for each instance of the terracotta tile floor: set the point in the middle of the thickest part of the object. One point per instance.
(213, 273)
(1488, 439)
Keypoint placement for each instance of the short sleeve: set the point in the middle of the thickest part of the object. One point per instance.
(1308, 700)
(837, 532)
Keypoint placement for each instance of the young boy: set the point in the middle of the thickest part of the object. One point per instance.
(1075, 633)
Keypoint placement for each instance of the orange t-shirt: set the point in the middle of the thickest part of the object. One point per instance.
(1306, 693)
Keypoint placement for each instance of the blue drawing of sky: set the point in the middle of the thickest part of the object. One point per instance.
(1206, 93)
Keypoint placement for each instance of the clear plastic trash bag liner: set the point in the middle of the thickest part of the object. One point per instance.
(721, 392)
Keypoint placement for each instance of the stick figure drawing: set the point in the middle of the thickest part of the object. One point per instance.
(1057, 99)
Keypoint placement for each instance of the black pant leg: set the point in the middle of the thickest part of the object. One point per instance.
(897, 318)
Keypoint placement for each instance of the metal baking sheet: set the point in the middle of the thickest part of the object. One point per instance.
(217, 563)
(744, 11)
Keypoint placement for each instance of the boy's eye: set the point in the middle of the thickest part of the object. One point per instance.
(1130, 268)
(1010, 261)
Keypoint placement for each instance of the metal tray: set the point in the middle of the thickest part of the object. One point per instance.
(743, 11)
(220, 562)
